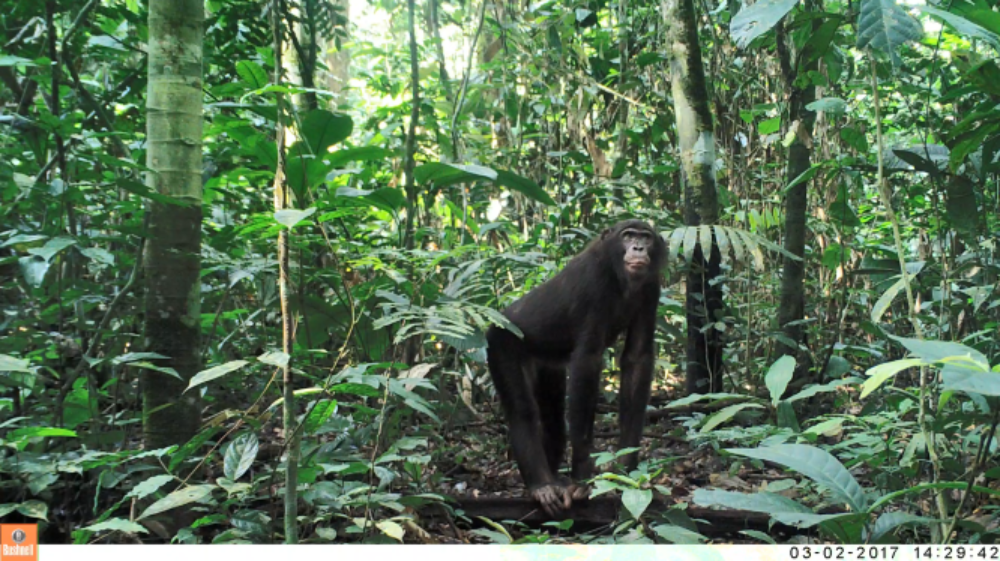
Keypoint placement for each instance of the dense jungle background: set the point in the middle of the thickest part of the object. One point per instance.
(249, 250)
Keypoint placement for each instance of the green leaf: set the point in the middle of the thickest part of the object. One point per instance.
(11, 60)
(363, 390)
(754, 502)
(252, 74)
(319, 414)
(943, 351)
(879, 374)
(833, 105)
(816, 464)
(149, 486)
(825, 427)
(884, 27)
(391, 529)
(758, 535)
(33, 269)
(769, 126)
(150, 366)
(853, 138)
(34, 509)
(11, 364)
(98, 255)
(275, 358)
(117, 525)
(321, 129)
(41, 432)
(582, 13)
(636, 501)
(814, 389)
(240, 456)
(52, 248)
(802, 520)
(290, 217)
(360, 154)
(778, 376)
(890, 521)
(215, 372)
(885, 301)
(753, 21)
(524, 186)
(726, 414)
(679, 535)
(963, 26)
(178, 498)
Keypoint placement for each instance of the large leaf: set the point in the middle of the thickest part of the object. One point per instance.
(963, 26)
(444, 174)
(753, 21)
(942, 351)
(117, 525)
(816, 464)
(321, 129)
(240, 456)
(754, 502)
(252, 74)
(11, 364)
(885, 27)
(679, 535)
(890, 521)
(778, 376)
(215, 372)
(885, 301)
(636, 501)
(360, 154)
(879, 374)
(178, 498)
(726, 414)
(524, 186)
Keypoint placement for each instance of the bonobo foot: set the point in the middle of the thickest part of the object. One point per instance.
(555, 498)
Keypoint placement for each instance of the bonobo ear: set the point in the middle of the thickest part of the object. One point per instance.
(605, 233)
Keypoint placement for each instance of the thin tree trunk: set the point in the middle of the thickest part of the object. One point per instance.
(411, 135)
(434, 27)
(172, 258)
(696, 142)
(792, 301)
(338, 59)
(281, 201)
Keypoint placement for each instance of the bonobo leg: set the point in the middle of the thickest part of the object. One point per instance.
(551, 394)
(516, 382)
(585, 370)
(637, 377)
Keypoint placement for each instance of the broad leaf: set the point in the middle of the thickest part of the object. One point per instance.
(726, 414)
(828, 105)
(778, 376)
(321, 129)
(215, 372)
(963, 26)
(885, 27)
(11, 364)
(753, 21)
(636, 501)
(117, 525)
(252, 74)
(879, 374)
(290, 217)
(679, 535)
(884, 301)
(240, 456)
(816, 464)
(890, 521)
(178, 498)
(754, 502)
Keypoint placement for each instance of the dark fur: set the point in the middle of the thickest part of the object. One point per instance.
(568, 322)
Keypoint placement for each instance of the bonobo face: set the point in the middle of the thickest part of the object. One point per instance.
(638, 243)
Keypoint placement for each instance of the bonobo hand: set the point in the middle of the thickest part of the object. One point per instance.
(555, 498)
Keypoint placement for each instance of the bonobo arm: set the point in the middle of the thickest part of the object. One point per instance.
(585, 367)
(637, 375)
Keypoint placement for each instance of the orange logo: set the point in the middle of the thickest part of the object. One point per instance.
(19, 542)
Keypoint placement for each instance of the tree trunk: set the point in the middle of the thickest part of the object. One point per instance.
(792, 303)
(696, 143)
(410, 162)
(338, 59)
(172, 258)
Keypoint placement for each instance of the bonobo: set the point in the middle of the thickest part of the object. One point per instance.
(613, 286)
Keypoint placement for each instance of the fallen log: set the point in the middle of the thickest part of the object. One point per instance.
(605, 510)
